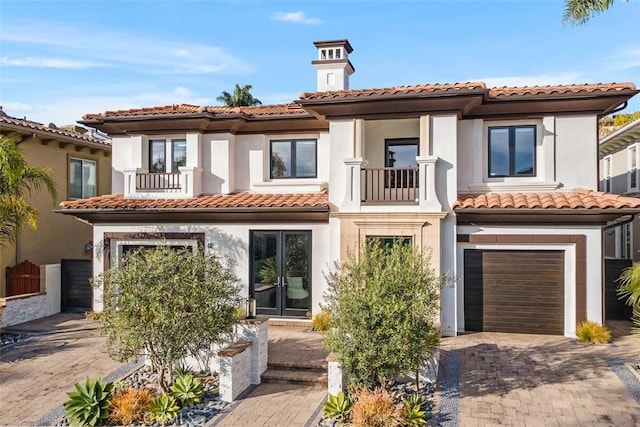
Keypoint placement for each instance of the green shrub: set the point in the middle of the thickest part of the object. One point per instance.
(130, 405)
(384, 305)
(164, 409)
(376, 408)
(321, 321)
(92, 315)
(188, 390)
(88, 405)
(181, 369)
(592, 333)
(338, 407)
(630, 290)
(414, 413)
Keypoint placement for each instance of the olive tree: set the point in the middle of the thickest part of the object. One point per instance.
(167, 303)
(383, 305)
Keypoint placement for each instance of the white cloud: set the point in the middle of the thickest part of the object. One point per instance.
(146, 53)
(63, 110)
(43, 62)
(295, 17)
(533, 80)
(625, 59)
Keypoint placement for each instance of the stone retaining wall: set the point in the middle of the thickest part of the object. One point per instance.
(235, 370)
(22, 308)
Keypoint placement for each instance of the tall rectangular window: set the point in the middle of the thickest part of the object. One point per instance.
(625, 246)
(82, 178)
(512, 151)
(606, 172)
(633, 167)
(294, 158)
(167, 156)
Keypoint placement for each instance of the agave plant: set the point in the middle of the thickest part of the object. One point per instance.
(164, 409)
(414, 413)
(187, 389)
(338, 407)
(88, 405)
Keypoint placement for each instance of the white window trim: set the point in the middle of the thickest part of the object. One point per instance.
(607, 167)
(167, 149)
(630, 149)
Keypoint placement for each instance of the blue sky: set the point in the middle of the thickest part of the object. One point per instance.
(62, 59)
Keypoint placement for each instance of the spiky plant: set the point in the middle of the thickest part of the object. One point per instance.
(164, 409)
(88, 405)
(187, 389)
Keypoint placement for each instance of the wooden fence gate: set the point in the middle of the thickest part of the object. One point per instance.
(23, 278)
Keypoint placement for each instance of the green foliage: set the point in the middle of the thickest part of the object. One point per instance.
(168, 303)
(188, 390)
(269, 271)
(130, 405)
(338, 407)
(592, 333)
(580, 11)
(630, 289)
(376, 408)
(91, 315)
(414, 413)
(164, 409)
(321, 321)
(241, 97)
(17, 181)
(383, 305)
(181, 369)
(88, 405)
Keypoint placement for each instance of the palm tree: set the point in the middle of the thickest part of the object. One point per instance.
(580, 11)
(18, 180)
(630, 289)
(241, 97)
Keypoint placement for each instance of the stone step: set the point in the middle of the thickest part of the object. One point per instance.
(284, 376)
(290, 323)
(311, 366)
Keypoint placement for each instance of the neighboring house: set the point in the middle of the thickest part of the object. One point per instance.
(620, 174)
(499, 182)
(81, 167)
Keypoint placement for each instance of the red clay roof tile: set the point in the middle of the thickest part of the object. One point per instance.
(576, 199)
(29, 125)
(222, 111)
(243, 199)
(395, 90)
(507, 91)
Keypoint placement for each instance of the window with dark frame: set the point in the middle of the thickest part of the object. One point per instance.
(293, 158)
(159, 162)
(82, 178)
(512, 151)
(388, 241)
(401, 153)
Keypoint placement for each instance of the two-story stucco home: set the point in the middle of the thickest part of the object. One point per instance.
(499, 182)
(620, 174)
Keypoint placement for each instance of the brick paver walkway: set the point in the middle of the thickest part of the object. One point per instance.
(35, 376)
(283, 405)
(537, 380)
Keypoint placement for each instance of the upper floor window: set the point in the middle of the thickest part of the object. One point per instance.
(606, 171)
(401, 153)
(82, 178)
(294, 158)
(167, 155)
(512, 151)
(632, 155)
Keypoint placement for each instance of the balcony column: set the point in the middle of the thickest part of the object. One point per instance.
(427, 197)
(130, 182)
(222, 163)
(190, 181)
(353, 195)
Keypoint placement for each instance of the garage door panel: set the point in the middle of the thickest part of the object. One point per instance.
(514, 291)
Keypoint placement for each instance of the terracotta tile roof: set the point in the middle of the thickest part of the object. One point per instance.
(576, 199)
(508, 91)
(179, 109)
(243, 199)
(435, 88)
(448, 88)
(50, 129)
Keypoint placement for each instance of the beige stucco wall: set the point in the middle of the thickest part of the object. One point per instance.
(57, 236)
(424, 230)
(377, 131)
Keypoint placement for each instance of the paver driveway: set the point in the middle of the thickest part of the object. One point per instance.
(537, 380)
(35, 376)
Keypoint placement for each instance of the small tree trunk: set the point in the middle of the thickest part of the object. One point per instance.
(418, 380)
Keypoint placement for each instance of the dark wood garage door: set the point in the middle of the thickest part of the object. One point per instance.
(514, 291)
(77, 293)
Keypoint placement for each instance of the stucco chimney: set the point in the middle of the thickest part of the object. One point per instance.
(333, 66)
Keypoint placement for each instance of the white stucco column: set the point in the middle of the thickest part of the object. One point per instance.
(428, 200)
(425, 135)
(190, 181)
(130, 188)
(222, 161)
(194, 150)
(354, 184)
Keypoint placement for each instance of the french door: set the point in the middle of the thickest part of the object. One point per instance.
(280, 279)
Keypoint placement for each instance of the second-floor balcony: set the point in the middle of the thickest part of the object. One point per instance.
(140, 183)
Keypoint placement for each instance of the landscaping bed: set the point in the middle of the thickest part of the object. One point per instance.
(7, 338)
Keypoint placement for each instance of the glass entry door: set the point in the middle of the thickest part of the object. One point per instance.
(281, 272)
